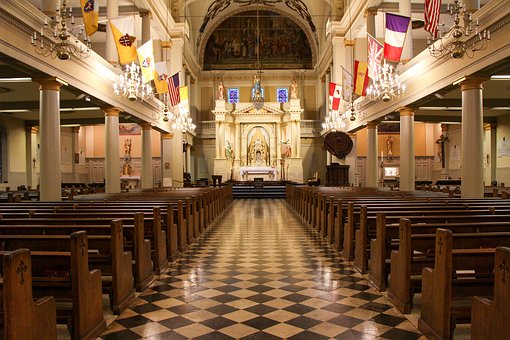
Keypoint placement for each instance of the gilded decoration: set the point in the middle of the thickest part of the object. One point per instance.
(281, 43)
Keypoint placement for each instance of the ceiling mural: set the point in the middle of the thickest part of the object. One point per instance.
(235, 44)
(219, 6)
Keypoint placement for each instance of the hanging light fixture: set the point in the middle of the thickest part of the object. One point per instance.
(68, 44)
(450, 43)
(258, 96)
(334, 121)
(386, 84)
(184, 123)
(131, 85)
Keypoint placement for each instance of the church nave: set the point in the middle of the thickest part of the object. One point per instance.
(259, 274)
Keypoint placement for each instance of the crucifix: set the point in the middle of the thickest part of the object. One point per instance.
(22, 268)
(440, 153)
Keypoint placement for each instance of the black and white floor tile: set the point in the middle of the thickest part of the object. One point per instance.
(260, 274)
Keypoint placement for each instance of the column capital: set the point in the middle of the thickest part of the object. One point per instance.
(406, 111)
(489, 126)
(473, 84)
(166, 44)
(145, 13)
(75, 129)
(32, 129)
(49, 83)
(349, 42)
(370, 11)
(112, 111)
(146, 126)
(373, 124)
(167, 135)
(445, 127)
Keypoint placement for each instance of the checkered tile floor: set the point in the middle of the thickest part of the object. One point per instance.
(259, 274)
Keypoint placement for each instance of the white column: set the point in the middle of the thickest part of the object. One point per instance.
(29, 156)
(278, 142)
(237, 144)
(472, 139)
(147, 175)
(146, 26)
(49, 132)
(112, 154)
(217, 140)
(166, 159)
(112, 12)
(221, 138)
(49, 7)
(407, 159)
(371, 171)
(326, 111)
(404, 8)
(75, 147)
(176, 62)
(293, 139)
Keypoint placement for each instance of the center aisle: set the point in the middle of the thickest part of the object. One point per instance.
(259, 274)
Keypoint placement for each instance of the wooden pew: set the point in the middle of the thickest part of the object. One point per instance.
(24, 318)
(490, 319)
(143, 267)
(77, 291)
(447, 294)
(416, 251)
(109, 255)
(380, 251)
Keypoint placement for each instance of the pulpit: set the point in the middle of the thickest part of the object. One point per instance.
(337, 175)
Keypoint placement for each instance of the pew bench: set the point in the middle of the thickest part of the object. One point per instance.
(448, 288)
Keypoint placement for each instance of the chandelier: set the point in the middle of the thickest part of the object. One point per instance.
(386, 84)
(68, 45)
(450, 43)
(334, 121)
(258, 96)
(184, 123)
(131, 86)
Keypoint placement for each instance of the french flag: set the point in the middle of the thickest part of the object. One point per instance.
(396, 29)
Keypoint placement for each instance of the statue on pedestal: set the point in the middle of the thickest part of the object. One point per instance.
(220, 92)
(294, 90)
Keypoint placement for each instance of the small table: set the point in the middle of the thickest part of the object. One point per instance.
(246, 171)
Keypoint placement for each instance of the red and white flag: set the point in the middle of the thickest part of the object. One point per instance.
(335, 94)
(432, 11)
(395, 35)
(375, 56)
(173, 89)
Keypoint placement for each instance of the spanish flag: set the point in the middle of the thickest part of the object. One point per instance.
(361, 77)
(123, 30)
(160, 76)
(146, 59)
(90, 11)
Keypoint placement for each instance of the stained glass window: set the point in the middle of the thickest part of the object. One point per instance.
(233, 95)
(282, 95)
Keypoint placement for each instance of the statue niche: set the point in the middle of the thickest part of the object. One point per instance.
(258, 149)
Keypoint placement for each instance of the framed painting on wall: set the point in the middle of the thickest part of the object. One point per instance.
(127, 129)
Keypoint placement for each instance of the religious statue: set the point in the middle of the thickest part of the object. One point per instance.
(127, 148)
(220, 92)
(294, 90)
(127, 169)
(258, 150)
(228, 150)
(440, 150)
(389, 147)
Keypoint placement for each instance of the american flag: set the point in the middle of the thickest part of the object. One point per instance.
(432, 10)
(173, 89)
(375, 56)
